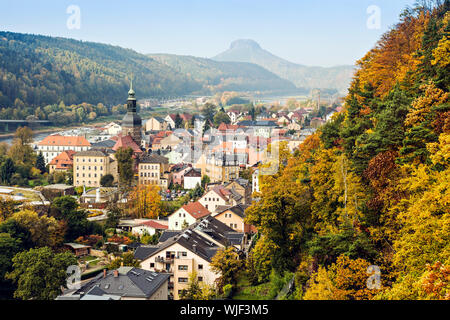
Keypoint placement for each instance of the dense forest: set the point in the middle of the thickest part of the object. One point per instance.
(39, 70)
(367, 197)
(37, 73)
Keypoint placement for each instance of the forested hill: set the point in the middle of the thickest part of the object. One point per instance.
(364, 204)
(36, 71)
(226, 76)
(39, 70)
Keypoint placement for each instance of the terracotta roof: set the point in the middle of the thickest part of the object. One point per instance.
(196, 210)
(228, 127)
(63, 160)
(126, 142)
(155, 225)
(59, 140)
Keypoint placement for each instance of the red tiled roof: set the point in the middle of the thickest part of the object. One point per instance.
(155, 225)
(196, 210)
(228, 127)
(59, 140)
(63, 160)
(126, 142)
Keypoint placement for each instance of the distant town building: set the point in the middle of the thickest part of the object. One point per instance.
(153, 170)
(90, 166)
(53, 145)
(62, 162)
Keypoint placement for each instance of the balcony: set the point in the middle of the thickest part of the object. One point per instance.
(164, 260)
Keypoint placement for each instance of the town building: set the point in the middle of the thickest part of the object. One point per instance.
(156, 124)
(90, 166)
(187, 215)
(53, 145)
(192, 178)
(234, 217)
(153, 169)
(62, 162)
(125, 283)
(190, 251)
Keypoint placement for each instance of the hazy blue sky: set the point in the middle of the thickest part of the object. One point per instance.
(320, 32)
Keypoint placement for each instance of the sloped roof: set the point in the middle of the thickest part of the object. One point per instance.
(63, 160)
(126, 142)
(196, 210)
(59, 140)
(155, 225)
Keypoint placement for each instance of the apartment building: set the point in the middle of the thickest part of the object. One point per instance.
(154, 170)
(189, 251)
(90, 166)
(53, 145)
(62, 162)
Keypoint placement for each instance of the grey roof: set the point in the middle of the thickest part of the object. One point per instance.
(154, 158)
(250, 123)
(104, 144)
(131, 282)
(219, 231)
(238, 209)
(90, 153)
(167, 234)
(143, 252)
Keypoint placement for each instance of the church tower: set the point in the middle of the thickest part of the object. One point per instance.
(132, 122)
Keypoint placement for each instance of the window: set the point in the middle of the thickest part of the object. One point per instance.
(152, 265)
(200, 279)
(182, 280)
(182, 268)
(200, 267)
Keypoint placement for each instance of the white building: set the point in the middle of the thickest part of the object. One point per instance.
(187, 215)
(255, 181)
(113, 128)
(53, 145)
(192, 178)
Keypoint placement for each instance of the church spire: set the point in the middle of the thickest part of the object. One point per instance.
(131, 93)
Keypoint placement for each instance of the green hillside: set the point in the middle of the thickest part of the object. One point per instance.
(38, 70)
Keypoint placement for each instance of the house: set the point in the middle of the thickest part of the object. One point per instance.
(241, 187)
(150, 227)
(220, 196)
(62, 162)
(260, 128)
(153, 170)
(192, 178)
(221, 167)
(178, 171)
(79, 250)
(187, 215)
(156, 124)
(53, 145)
(189, 251)
(113, 128)
(233, 216)
(90, 166)
(125, 283)
(170, 119)
(170, 142)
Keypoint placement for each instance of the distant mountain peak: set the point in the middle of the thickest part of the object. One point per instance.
(245, 43)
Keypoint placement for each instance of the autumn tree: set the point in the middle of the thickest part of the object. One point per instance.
(144, 202)
(125, 162)
(227, 264)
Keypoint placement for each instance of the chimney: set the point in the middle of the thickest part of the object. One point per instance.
(194, 247)
(104, 273)
(116, 273)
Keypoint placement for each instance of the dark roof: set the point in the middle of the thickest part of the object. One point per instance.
(153, 158)
(219, 231)
(249, 123)
(166, 235)
(239, 209)
(131, 282)
(193, 173)
(104, 144)
(90, 153)
(142, 252)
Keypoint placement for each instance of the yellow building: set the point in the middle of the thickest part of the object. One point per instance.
(90, 166)
(221, 169)
(153, 170)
